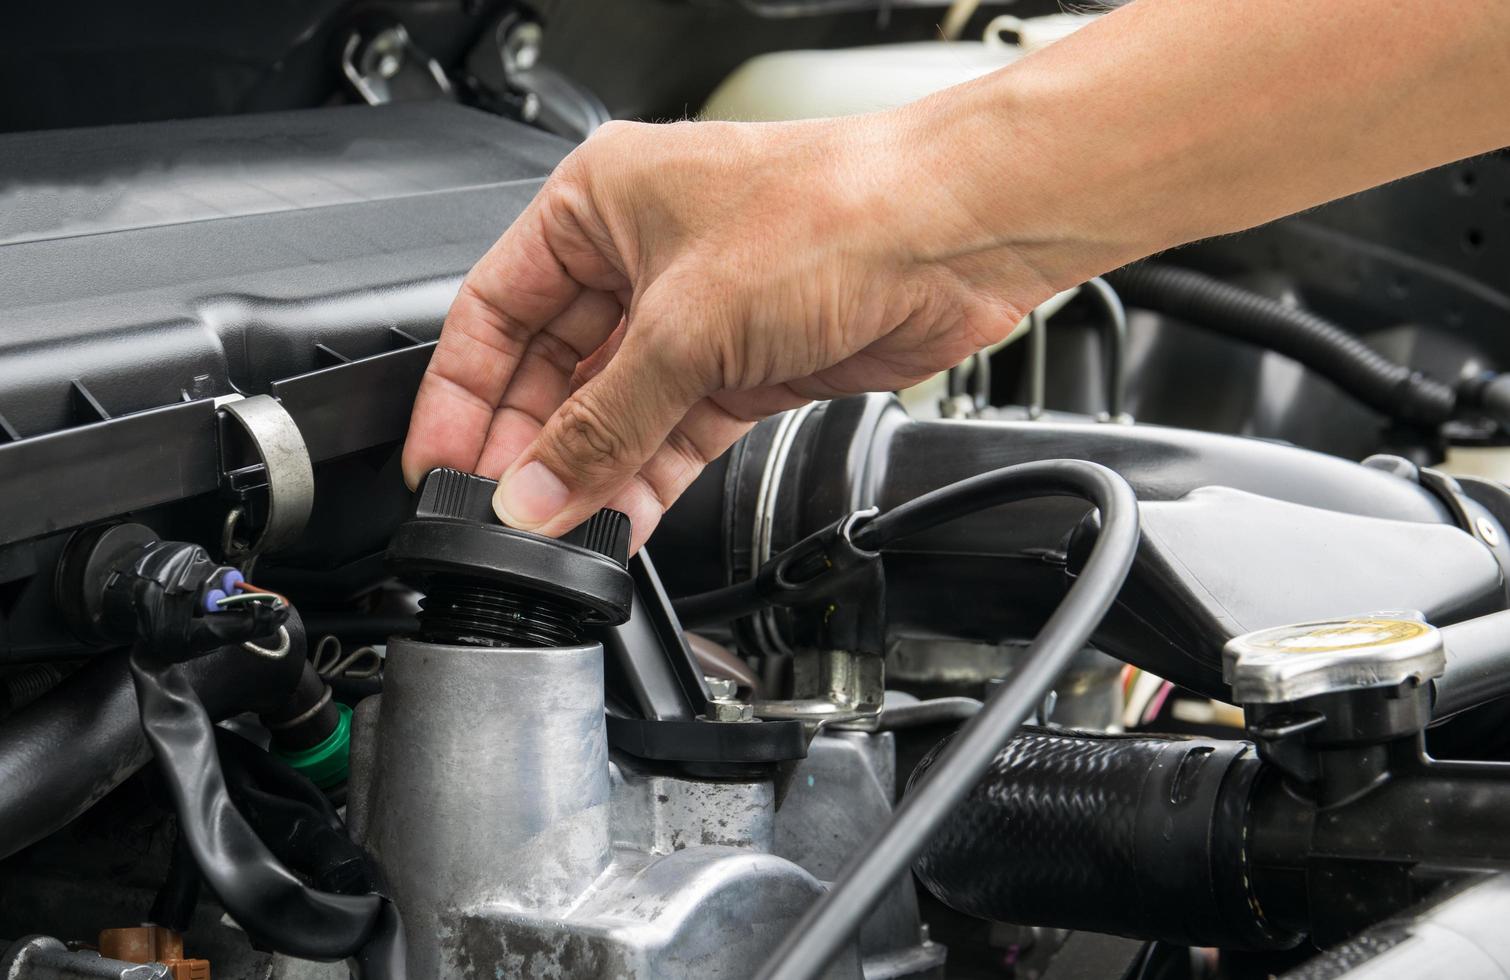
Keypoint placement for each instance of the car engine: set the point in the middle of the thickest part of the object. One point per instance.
(1056, 666)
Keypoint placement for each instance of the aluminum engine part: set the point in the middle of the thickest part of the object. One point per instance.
(44, 958)
(1087, 696)
(839, 796)
(489, 807)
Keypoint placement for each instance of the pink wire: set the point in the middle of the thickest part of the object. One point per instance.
(1156, 703)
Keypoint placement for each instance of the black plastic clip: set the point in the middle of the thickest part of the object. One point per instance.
(829, 565)
(822, 564)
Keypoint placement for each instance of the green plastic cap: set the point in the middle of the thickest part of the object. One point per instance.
(328, 763)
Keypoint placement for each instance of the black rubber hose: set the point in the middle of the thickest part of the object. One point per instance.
(1317, 343)
(308, 716)
(93, 716)
(947, 503)
(1478, 665)
(1134, 835)
(264, 897)
(835, 919)
(297, 822)
(173, 908)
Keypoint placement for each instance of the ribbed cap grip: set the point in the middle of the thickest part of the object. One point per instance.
(448, 494)
(606, 532)
(457, 496)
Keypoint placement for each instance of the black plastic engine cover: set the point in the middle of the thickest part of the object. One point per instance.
(211, 256)
(146, 270)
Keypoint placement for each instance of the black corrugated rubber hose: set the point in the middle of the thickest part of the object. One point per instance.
(1134, 835)
(1342, 358)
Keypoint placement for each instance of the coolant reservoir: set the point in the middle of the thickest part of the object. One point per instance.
(1032, 33)
(848, 81)
(814, 84)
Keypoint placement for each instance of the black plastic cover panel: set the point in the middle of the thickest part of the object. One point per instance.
(213, 255)
(146, 269)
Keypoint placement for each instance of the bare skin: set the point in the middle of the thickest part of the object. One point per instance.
(673, 284)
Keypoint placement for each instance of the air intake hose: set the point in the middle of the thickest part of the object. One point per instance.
(1135, 835)
(93, 716)
(1340, 357)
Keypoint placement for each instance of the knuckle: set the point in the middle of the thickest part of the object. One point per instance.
(653, 494)
(556, 352)
(613, 128)
(688, 453)
(605, 143)
(589, 444)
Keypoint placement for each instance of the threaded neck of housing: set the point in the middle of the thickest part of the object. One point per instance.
(466, 612)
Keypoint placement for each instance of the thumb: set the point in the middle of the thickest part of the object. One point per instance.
(596, 441)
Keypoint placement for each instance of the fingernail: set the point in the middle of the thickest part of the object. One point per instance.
(530, 497)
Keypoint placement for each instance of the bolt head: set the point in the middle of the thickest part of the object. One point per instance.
(721, 687)
(730, 711)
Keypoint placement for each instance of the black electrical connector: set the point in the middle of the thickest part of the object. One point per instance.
(119, 584)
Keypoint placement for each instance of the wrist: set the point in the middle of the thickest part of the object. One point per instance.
(1016, 185)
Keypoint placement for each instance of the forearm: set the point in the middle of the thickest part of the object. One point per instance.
(1173, 120)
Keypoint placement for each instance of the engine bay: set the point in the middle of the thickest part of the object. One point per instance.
(1231, 652)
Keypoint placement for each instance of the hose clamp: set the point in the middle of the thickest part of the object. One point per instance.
(279, 445)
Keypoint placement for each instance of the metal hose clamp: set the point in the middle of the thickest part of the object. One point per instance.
(285, 643)
(290, 476)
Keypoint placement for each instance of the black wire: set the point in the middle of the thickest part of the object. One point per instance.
(720, 605)
(1393, 389)
(294, 818)
(831, 922)
(947, 503)
(1024, 481)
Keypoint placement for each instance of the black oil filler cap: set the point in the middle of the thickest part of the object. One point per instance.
(489, 584)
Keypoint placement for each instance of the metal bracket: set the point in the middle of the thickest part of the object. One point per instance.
(387, 66)
(839, 688)
(650, 671)
(280, 446)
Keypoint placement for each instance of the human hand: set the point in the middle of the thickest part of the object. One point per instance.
(671, 285)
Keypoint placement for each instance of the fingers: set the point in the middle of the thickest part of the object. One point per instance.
(508, 297)
(544, 377)
(598, 439)
(702, 435)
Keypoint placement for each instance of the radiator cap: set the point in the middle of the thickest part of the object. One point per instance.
(1283, 664)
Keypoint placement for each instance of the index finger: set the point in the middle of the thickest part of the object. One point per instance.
(512, 293)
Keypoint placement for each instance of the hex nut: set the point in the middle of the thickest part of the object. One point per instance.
(730, 711)
(721, 688)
